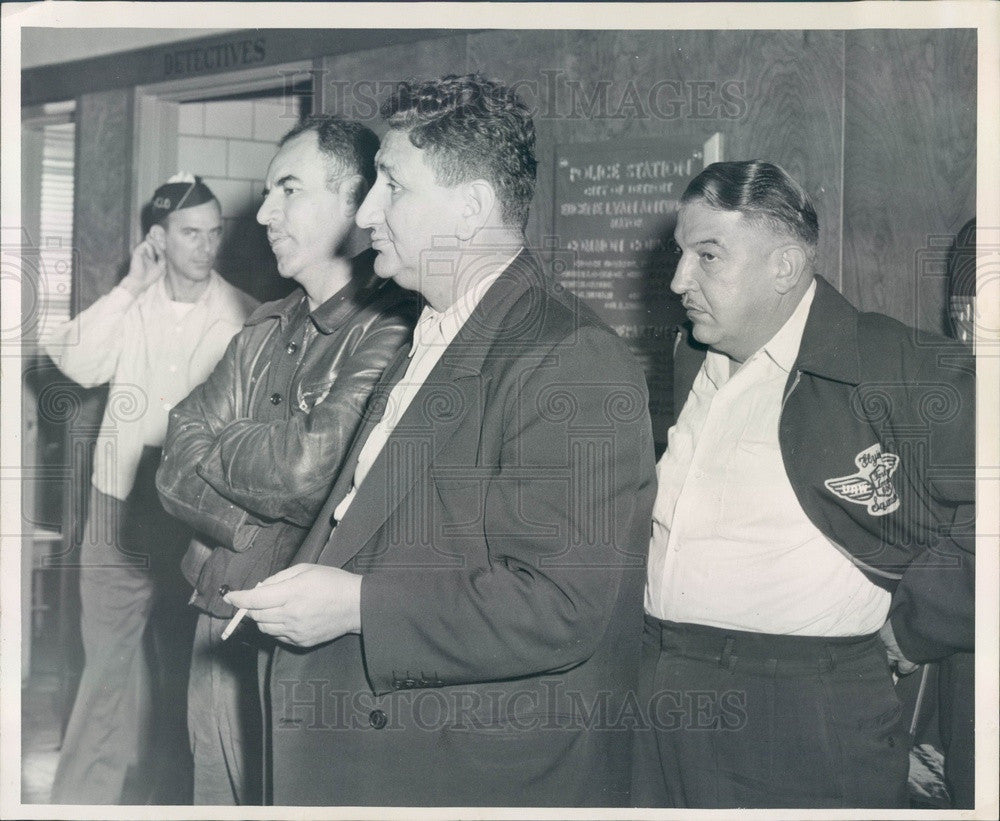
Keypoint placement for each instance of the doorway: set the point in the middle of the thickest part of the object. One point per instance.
(224, 129)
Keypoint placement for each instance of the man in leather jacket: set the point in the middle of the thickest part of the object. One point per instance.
(251, 454)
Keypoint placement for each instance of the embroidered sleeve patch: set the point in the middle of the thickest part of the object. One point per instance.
(872, 484)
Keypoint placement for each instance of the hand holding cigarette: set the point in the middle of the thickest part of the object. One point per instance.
(303, 605)
(236, 619)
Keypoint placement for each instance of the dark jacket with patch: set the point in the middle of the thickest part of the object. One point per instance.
(877, 432)
(251, 453)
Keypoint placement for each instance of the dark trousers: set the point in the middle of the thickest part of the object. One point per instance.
(126, 741)
(957, 684)
(739, 719)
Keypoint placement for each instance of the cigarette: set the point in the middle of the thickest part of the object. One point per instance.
(235, 620)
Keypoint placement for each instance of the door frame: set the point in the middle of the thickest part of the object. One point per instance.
(154, 155)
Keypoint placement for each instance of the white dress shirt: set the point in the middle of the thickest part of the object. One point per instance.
(434, 332)
(731, 545)
(153, 354)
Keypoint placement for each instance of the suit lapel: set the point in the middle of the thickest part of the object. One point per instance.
(449, 396)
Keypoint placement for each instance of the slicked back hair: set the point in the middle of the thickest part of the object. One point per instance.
(763, 192)
(348, 146)
(471, 128)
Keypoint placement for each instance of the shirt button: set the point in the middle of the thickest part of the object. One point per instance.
(377, 719)
(292, 347)
(275, 398)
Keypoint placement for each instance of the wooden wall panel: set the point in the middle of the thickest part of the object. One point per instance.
(354, 84)
(838, 110)
(773, 95)
(909, 165)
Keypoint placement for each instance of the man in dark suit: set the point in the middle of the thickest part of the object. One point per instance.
(462, 625)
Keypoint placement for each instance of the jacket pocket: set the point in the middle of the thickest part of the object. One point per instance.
(309, 395)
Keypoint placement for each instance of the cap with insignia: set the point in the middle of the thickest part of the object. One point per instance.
(180, 191)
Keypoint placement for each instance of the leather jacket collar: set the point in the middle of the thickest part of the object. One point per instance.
(337, 309)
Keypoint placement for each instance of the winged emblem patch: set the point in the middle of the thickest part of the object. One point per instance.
(872, 484)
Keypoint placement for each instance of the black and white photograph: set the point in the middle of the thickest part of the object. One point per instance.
(456, 410)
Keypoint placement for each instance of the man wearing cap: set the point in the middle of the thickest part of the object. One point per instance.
(153, 338)
(251, 454)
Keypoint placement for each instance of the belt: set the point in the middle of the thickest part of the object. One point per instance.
(765, 653)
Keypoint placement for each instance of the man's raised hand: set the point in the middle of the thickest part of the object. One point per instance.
(147, 266)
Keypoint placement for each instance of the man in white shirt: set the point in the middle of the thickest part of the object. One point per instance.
(472, 586)
(787, 526)
(154, 337)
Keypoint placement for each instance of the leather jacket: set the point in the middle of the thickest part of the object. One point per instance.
(251, 454)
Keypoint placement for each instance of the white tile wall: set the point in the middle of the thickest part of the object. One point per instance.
(230, 143)
(191, 119)
(272, 119)
(201, 155)
(249, 160)
(229, 118)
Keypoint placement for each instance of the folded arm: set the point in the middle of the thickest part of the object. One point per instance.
(284, 469)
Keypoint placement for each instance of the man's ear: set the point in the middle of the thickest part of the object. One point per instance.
(479, 200)
(158, 236)
(352, 192)
(791, 263)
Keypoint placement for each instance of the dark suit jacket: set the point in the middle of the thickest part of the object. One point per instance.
(502, 535)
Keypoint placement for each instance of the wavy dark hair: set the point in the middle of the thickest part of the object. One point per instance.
(471, 127)
(347, 145)
(760, 190)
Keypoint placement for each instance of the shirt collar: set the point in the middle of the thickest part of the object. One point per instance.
(208, 294)
(339, 308)
(332, 313)
(782, 348)
(441, 327)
